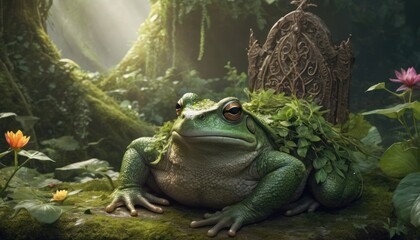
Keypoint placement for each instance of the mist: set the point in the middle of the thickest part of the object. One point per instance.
(96, 33)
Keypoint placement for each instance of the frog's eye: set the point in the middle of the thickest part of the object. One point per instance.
(232, 111)
(178, 107)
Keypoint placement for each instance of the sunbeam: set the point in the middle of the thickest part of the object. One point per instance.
(97, 33)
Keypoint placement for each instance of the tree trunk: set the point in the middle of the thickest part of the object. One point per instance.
(37, 83)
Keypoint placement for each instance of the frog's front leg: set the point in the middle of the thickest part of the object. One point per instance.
(133, 176)
(281, 177)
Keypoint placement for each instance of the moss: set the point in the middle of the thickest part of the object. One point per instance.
(203, 104)
(362, 220)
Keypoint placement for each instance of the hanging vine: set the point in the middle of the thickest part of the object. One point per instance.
(158, 32)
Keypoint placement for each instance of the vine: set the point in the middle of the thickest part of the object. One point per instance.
(159, 30)
(205, 23)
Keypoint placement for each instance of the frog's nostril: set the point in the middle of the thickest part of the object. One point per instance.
(201, 116)
(183, 116)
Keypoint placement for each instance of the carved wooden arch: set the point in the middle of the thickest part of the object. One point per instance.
(300, 58)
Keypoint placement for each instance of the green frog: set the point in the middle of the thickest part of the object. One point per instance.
(221, 156)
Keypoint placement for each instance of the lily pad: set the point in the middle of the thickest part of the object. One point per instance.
(91, 166)
(32, 154)
(43, 212)
(406, 195)
(393, 112)
(400, 159)
(7, 114)
(27, 177)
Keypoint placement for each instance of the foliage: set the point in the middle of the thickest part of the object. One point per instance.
(299, 128)
(161, 141)
(397, 230)
(406, 199)
(86, 169)
(235, 9)
(41, 211)
(402, 159)
(26, 182)
(31, 154)
(154, 99)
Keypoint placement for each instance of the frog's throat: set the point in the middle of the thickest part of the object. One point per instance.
(213, 138)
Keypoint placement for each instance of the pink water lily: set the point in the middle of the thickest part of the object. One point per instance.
(409, 79)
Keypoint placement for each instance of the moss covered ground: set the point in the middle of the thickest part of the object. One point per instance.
(86, 219)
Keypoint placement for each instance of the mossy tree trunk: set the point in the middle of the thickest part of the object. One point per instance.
(36, 83)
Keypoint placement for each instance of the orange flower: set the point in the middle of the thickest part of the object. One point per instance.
(16, 140)
(59, 195)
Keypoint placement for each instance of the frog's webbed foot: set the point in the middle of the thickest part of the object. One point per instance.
(304, 204)
(134, 196)
(231, 217)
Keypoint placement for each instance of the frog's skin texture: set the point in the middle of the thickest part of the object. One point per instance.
(221, 157)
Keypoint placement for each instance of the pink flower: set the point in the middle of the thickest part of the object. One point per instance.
(409, 79)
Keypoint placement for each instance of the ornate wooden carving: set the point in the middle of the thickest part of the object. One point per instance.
(299, 58)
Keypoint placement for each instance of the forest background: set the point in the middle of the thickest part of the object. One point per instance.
(94, 106)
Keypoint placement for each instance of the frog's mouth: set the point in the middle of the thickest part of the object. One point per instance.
(212, 137)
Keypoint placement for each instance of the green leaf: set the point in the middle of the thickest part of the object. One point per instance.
(339, 172)
(285, 123)
(400, 159)
(22, 193)
(376, 87)
(319, 163)
(24, 177)
(302, 151)
(303, 131)
(5, 153)
(328, 167)
(291, 144)
(356, 126)
(283, 132)
(373, 137)
(27, 122)
(416, 109)
(314, 138)
(320, 175)
(74, 192)
(405, 195)
(65, 143)
(330, 155)
(393, 112)
(43, 212)
(77, 169)
(302, 142)
(7, 114)
(269, 2)
(32, 154)
(89, 165)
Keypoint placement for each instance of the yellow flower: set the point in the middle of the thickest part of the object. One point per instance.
(59, 195)
(16, 140)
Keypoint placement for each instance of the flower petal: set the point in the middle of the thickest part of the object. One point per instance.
(7, 136)
(395, 80)
(398, 74)
(402, 88)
